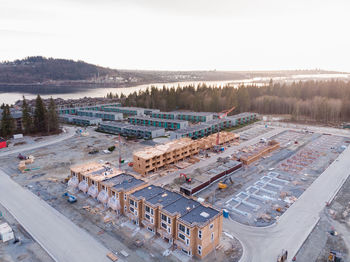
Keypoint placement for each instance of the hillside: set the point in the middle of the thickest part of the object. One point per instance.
(61, 75)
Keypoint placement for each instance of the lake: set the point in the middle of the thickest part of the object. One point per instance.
(10, 98)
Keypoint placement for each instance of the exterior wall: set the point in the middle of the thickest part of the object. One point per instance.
(164, 233)
(144, 166)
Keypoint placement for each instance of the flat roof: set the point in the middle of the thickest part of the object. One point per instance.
(199, 214)
(128, 108)
(192, 129)
(148, 192)
(165, 198)
(130, 126)
(192, 113)
(181, 206)
(88, 118)
(99, 111)
(159, 119)
(123, 181)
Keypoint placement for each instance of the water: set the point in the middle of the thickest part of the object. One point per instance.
(10, 98)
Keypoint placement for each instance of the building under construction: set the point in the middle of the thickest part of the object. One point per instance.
(252, 153)
(152, 158)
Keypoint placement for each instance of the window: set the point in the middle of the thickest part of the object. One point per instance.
(113, 193)
(187, 242)
(182, 236)
(164, 226)
(124, 196)
(211, 226)
(164, 217)
(135, 204)
(182, 228)
(200, 234)
(135, 212)
(125, 208)
(187, 231)
(169, 230)
(199, 250)
(147, 216)
(147, 209)
(151, 211)
(152, 220)
(132, 209)
(131, 202)
(212, 236)
(92, 182)
(169, 220)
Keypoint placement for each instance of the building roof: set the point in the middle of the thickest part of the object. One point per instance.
(16, 114)
(181, 206)
(131, 127)
(158, 119)
(87, 118)
(123, 181)
(192, 129)
(148, 192)
(199, 215)
(192, 113)
(99, 112)
(96, 171)
(164, 199)
(151, 152)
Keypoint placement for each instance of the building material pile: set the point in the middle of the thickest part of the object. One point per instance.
(22, 164)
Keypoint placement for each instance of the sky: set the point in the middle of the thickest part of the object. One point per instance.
(181, 34)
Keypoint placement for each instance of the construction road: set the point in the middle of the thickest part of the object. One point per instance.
(294, 226)
(61, 238)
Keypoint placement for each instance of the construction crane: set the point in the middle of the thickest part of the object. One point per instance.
(222, 114)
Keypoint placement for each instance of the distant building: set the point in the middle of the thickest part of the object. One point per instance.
(170, 124)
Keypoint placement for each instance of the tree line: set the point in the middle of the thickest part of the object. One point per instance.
(44, 120)
(326, 101)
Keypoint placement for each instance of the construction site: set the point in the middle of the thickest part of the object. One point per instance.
(108, 184)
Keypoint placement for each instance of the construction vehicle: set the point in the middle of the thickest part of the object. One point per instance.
(70, 198)
(334, 256)
(131, 164)
(188, 179)
(22, 157)
(223, 183)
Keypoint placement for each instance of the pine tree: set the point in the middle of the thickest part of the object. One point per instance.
(52, 117)
(27, 120)
(40, 116)
(7, 122)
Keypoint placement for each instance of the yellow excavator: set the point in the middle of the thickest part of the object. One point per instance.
(223, 183)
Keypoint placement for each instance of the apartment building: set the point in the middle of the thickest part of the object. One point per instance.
(198, 232)
(169, 214)
(130, 111)
(135, 209)
(191, 227)
(114, 191)
(185, 115)
(169, 124)
(80, 120)
(152, 158)
(87, 177)
(74, 110)
(146, 132)
(111, 116)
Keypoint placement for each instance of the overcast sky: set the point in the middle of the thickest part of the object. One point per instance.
(181, 34)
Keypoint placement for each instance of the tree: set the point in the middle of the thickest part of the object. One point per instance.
(27, 120)
(40, 116)
(7, 122)
(52, 117)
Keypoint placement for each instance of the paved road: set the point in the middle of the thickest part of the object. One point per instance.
(213, 158)
(293, 228)
(60, 237)
(70, 132)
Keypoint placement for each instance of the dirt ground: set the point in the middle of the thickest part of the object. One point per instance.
(332, 232)
(46, 179)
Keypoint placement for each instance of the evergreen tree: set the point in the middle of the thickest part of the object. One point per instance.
(40, 116)
(7, 122)
(52, 117)
(27, 120)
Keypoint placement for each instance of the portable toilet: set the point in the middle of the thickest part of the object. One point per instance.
(225, 213)
(6, 232)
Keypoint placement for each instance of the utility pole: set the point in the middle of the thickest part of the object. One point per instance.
(120, 153)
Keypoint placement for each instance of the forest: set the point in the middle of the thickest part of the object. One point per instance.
(324, 101)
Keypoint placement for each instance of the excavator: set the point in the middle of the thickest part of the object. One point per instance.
(188, 179)
(223, 183)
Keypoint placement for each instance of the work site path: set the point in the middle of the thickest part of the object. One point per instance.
(70, 132)
(294, 226)
(60, 237)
